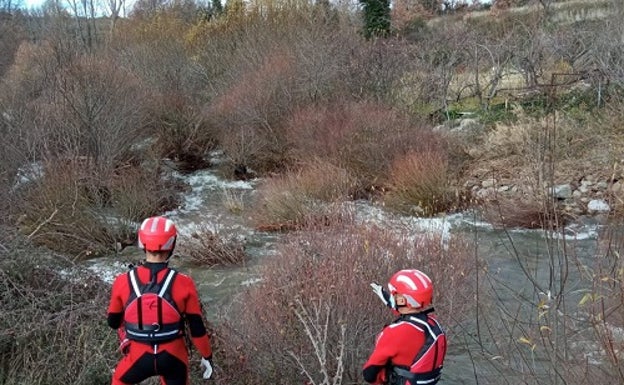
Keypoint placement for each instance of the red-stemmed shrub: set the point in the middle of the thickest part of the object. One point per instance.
(313, 317)
(364, 138)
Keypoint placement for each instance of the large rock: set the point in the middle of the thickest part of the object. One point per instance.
(596, 206)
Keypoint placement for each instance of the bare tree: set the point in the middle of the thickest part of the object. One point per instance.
(84, 14)
(97, 110)
(115, 7)
(9, 6)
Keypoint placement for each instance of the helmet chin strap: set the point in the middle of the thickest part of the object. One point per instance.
(399, 302)
(171, 251)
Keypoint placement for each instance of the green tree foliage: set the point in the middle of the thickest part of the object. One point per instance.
(376, 17)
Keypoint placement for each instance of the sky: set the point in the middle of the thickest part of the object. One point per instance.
(32, 3)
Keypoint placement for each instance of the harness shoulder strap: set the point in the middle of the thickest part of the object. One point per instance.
(134, 283)
(168, 280)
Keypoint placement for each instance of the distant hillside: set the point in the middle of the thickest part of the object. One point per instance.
(566, 12)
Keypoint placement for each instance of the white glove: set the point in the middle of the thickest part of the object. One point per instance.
(206, 364)
(383, 294)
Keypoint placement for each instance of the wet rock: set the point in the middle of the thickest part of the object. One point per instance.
(602, 185)
(242, 172)
(488, 183)
(562, 191)
(597, 206)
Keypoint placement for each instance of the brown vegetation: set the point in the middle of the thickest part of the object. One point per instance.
(68, 207)
(52, 326)
(204, 247)
(294, 93)
(292, 199)
(313, 317)
(419, 184)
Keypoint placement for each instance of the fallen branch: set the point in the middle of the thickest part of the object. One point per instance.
(43, 224)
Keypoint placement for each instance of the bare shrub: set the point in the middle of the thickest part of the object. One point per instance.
(313, 318)
(233, 201)
(154, 48)
(363, 138)
(292, 199)
(12, 33)
(508, 212)
(556, 318)
(181, 133)
(51, 314)
(604, 301)
(265, 61)
(138, 192)
(63, 210)
(96, 109)
(205, 247)
(419, 184)
(251, 111)
(377, 71)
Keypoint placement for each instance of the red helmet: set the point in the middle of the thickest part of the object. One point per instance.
(157, 234)
(414, 285)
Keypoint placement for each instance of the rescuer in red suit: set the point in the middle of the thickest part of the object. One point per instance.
(149, 307)
(410, 350)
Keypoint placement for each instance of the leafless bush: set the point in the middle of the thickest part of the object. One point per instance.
(63, 210)
(419, 184)
(378, 71)
(255, 107)
(507, 212)
(181, 134)
(266, 62)
(233, 201)
(363, 138)
(138, 192)
(557, 319)
(292, 199)
(303, 321)
(204, 247)
(52, 314)
(154, 50)
(96, 110)
(12, 33)
(605, 300)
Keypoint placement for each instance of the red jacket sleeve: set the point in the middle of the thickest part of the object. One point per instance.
(193, 310)
(116, 304)
(385, 349)
(398, 344)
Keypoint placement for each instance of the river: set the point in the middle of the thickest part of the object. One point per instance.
(509, 254)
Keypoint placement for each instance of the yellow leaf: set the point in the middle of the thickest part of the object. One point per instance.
(525, 340)
(587, 298)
